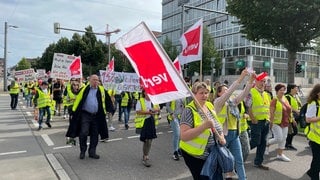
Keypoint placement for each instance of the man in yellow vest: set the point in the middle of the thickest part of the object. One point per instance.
(14, 93)
(89, 116)
(125, 107)
(258, 103)
(43, 102)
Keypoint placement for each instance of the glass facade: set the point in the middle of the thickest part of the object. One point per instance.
(230, 42)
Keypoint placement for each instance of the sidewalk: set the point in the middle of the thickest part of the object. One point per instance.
(21, 156)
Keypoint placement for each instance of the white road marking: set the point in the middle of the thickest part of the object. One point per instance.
(115, 139)
(62, 147)
(131, 137)
(13, 152)
(47, 139)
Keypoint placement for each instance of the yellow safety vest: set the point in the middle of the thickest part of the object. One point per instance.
(243, 121)
(125, 99)
(43, 100)
(15, 89)
(80, 96)
(313, 131)
(260, 104)
(293, 102)
(139, 118)
(196, 146)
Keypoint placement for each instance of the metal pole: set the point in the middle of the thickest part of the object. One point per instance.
(185, 73)
(108, 37)
(5, 58)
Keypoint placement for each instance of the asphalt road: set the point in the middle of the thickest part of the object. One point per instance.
(26, 153)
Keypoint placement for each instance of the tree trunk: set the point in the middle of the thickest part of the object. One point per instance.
(292, 58)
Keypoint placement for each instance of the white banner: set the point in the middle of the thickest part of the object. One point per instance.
(25, 75)
(41, 73)
(120, 81)
(60, 66)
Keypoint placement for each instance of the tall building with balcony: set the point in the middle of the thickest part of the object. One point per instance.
(234, 48)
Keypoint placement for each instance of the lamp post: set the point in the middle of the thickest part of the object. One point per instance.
(6, 26)
(108, 35)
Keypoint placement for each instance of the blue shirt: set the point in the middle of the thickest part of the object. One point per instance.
(91, 103)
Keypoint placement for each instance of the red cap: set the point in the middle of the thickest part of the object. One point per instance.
(261, 76)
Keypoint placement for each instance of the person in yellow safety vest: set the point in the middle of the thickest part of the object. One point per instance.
(71, 96)
(30, 90)
(14, 94)
(258, 104)
(136, 96)
(89, 116)
(313, 131)
(295, 103)
(125, 107)
(111, 93)
(146, 120)
(243, 136)
(43, 102)
(175, 109)
(226, 107)
(211, 92)
(280, 118)
(198, 133)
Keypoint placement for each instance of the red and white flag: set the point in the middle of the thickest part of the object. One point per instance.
(110, 66)
(75, 68)
(191, 42)
(177, 65)
(157, 74)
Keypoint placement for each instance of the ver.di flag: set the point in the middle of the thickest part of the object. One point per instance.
(177, 65)
(75, 68)
(157, 74)
(191, 42)
(110, 66)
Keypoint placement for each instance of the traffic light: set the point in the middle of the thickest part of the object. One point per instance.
(56, 28)
(298, 67)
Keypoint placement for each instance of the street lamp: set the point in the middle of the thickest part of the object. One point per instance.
(6, 26)
(108, 34)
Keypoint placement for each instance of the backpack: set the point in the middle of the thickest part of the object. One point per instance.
(302, 115)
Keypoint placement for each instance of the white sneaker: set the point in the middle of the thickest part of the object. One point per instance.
(112, 128)
(283, 157)
(266, 152)
(64, 116)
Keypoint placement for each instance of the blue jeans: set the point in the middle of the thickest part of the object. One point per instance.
(125, 110)
(234, 145)
(42, 112)
(29, 100)
(259, 133)
(176, 133)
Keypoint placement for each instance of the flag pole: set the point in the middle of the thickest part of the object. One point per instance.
(176, 71)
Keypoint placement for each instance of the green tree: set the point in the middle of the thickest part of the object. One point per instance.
(209, 52)
(292, 24)
(170, 49)
(23, 64)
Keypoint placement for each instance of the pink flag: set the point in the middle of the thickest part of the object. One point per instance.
(157, 74)
(191, 42)
(75, 68)
(177, 65)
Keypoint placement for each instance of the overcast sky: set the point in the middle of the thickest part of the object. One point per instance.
(35, 19)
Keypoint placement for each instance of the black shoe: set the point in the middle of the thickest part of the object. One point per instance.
(175, 156)
(94, 156)
(39, 128)
(263, 167)
(290, 147)
(127, 126)
(49, 125)
(82, 155)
